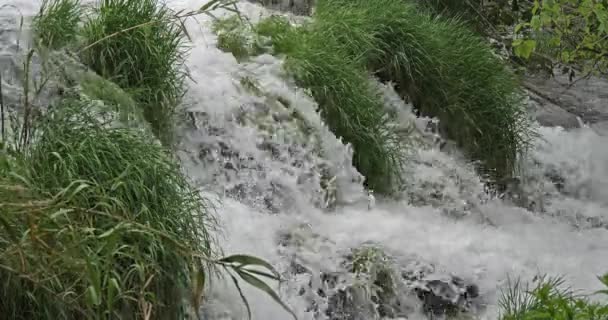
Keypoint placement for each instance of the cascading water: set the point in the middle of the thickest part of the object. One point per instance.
(285, 190)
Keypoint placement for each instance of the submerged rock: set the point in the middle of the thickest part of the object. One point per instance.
(367, 283)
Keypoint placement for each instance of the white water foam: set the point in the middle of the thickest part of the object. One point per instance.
(265, 192)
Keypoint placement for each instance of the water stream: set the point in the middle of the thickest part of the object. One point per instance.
(263, 158)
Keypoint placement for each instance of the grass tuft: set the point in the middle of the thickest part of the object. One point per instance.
(549, 299)
(147, 60)
(56, 25)
(349, 103)
(232, 37)
(97, 222)
(442, 67)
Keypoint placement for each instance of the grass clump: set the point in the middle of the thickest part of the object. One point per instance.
(140, 46)
(234, 35)
(548, 299)
(98, 222)
(57, 23)
(349, 103)
(445, 69)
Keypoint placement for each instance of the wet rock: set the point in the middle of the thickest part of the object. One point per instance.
(550, 115)
(375, 285)
(441, 297)
(585, 98)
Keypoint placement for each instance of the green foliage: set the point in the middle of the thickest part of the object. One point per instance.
(549, 300)
(140, 46)
(481, 15)
(234, 36)
(573, 33)
(56, 25)
(370, 261)
(349, 103)
(97, 219)
(98, 223)
(445, 69)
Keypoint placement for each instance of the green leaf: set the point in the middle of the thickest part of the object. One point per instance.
(238, 288)
(261, 273)
(111, 231)
(198, 287)
(535, 7)
(519, 26)
(535, 23)
(261, 285)
(524, 48)
(92, 296)
(245, 260)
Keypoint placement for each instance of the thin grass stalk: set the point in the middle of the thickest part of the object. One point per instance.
(2, 124)
(25, 129)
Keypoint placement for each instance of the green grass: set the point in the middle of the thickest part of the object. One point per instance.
(232, 37)
(445, 69)
(348, 101)
(442, 67)
(140, 46)
(550, 299)
(57, 23)
(98, 223)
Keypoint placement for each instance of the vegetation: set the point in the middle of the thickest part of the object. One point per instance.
(442, 67)
(97, 219)
(140, 46)
(573, 33)
(57, 23)
(232, 36)
(99, 222)
(548, 299)
(349, 102)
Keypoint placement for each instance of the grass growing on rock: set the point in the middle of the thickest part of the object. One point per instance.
(140, 46)
(98, 223)
(445, 69)
(441, 66)
(349, 103)
(56, 25)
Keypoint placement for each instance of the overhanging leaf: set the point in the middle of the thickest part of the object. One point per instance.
(238, 288)
(245, 260)
(261, 285)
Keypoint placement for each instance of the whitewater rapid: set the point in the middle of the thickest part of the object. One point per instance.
(265, 184)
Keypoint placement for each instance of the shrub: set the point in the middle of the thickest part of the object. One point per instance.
(445, 69)
(98, 222)
(548, 299)
(56, 25)
(140, 46)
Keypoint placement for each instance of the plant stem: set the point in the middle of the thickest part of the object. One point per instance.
(2, 112)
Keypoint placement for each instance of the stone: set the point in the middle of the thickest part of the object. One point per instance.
(586, 98)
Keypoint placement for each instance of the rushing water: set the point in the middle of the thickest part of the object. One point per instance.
(264, 166)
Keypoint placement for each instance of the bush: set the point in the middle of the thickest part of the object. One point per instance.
(56, 25)
(140, 46)
(445, 69)
(98, 222)
(350, 104)
(550, 300)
